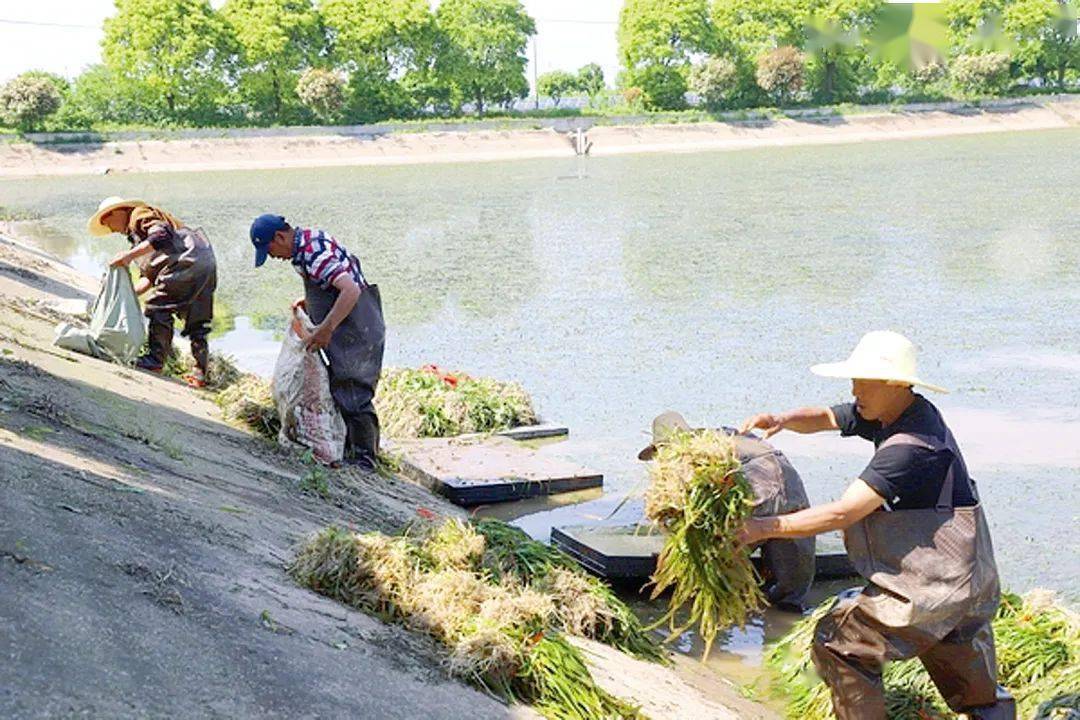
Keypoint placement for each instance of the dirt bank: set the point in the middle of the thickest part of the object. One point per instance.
(353, 146)
(142, 544)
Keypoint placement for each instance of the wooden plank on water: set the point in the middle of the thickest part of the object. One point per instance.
(479, 469)
(628, 552)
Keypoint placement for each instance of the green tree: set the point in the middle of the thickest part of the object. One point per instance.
(483, 59)
(986, 73)
(172, 56)
(556, 84)
(387, 48)
(832, 34)
(277, 40)
(781, 72)
(745, 30)
(714, 81)
(26, 100)
(323, 92)
(657, 40)
(970, 20)
(590, 79)
(1046, 36)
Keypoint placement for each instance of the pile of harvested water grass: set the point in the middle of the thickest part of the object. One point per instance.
(498, 606)
(585, 604)
(699, 496)
(1038, 652)
(250, 402)
(430, 402)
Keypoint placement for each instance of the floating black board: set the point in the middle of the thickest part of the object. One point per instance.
(481, 469)
(628, 552)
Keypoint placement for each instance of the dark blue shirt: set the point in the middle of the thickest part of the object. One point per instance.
(908, 477)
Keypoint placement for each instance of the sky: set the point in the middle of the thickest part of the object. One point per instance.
(63, 36)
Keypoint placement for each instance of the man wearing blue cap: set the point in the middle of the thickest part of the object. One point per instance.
(349, 322)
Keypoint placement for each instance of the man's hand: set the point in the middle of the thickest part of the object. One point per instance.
(753, 532)
(320, 338)
(301, 304)
(768, 422)
(120, 259)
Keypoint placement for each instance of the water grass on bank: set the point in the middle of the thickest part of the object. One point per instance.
(244, 398)
(430, 402)
(700, 497)
(250, 402)
(498, 601)
(1038, 651)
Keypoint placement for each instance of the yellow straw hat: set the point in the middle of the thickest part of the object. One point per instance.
(96, 228)
(880, 355)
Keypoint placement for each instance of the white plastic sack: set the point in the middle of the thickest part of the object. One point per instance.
(302, 395)
(117, 330)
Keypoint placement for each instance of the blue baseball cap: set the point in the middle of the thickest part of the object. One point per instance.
(262, 232)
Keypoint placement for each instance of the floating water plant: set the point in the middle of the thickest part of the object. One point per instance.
(430, 402)
(700, 497)
(1038, 651)
(498, 602)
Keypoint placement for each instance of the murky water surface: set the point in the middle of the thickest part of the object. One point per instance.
(616, 288)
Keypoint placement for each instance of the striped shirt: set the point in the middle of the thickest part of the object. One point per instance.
(321, 259)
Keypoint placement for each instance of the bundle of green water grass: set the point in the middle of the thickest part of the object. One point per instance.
(250, 402)
(430, 402)
(1038, 652)
(495, 599)
(700, 497)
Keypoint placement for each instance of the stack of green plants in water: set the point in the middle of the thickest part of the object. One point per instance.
(1038, 653)
(500, 602)
(700, 497)
(430, 402)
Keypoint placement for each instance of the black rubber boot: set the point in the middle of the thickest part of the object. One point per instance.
(362, 441)
(200, 350)
(159, 340)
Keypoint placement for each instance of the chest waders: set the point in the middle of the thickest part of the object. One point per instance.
(183, 277)
(932, 594)
(355, 354)
(787, 566)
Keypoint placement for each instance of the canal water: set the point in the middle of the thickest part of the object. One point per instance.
(616, 288)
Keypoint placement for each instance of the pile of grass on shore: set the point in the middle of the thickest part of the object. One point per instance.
(430, 402)
(700, 497)
(244, 398)
(1038, 652)
(498, 601)
(250, 402)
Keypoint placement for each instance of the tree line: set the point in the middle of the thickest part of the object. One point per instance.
(751, 53)
(282, 62)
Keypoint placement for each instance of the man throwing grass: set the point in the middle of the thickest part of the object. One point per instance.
(914, 528)
(349, 322)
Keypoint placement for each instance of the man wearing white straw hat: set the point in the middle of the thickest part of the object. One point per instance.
(914, 528)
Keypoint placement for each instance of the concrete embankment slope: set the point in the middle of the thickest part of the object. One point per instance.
(389, 145)
(142, 552)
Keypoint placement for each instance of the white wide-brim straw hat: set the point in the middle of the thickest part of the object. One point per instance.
(880, 355)
(95, 226)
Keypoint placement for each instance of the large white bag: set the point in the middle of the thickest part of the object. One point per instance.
(302, 395)
(116, 329)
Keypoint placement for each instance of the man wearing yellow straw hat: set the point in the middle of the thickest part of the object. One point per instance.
(178, 264)
(914, 528)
